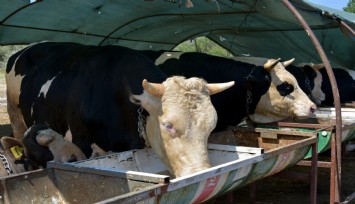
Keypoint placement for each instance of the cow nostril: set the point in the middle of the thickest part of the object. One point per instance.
(313, 109)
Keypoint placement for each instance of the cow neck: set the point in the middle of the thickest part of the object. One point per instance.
(141, 123)
(307, 83)
(249, 95)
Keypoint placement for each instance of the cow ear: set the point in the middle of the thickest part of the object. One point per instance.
(135, 99)
(309, 72)
(44, 139)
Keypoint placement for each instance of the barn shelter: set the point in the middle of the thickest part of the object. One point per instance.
(264, 28)
(244, 27)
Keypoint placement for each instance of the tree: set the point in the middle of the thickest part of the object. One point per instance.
(350, 7)
(6, 52)
(204, 45)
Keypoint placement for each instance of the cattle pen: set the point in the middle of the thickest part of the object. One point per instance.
(245, 28)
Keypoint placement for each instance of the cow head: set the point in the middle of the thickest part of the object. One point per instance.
(43, 144)
(311, 73)
(181, 117)
(62, 150)
(315, 79)
(284, 97)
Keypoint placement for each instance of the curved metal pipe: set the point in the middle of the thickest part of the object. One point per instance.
(338, 126)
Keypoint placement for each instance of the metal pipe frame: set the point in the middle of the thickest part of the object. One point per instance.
(336, 166)
(314, 175)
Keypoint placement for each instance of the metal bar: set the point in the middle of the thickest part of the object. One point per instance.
(140, 195)
(321, 164)
(349, 199)
(304, 125)
(349, 126)
(229, 198)
(346, 26)
(17, 11)
(252, 192)
(338, 126)
(86, 34)
(132, 175)
(232, 148)
(332, 169)
(166, 15)
(314, 176)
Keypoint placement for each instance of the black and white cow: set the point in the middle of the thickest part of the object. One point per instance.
(345, 82)
(265, 93)
(92, 94)
(314, 80)
(307, 75)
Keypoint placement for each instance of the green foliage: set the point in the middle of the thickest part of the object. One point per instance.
(204, 45)
(350, 7)
(6, 52)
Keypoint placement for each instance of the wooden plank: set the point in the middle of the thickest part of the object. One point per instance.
(284, 131)
(269, 135)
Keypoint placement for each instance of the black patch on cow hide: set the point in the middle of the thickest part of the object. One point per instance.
(37, 155)
(285, 88)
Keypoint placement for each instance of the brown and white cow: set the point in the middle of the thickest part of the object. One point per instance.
(87, 92)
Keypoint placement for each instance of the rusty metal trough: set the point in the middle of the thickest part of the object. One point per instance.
(62, 183)
(233, 166)
(139, 176)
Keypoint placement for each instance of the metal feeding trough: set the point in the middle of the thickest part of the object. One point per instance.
(138, 176)
(232, 167)
(326, 117)
(62, 183)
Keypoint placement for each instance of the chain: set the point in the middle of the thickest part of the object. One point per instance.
(6, 164)
(249, 99)
(310, 95)
(141, 123)
(248, 102)
(250, 75)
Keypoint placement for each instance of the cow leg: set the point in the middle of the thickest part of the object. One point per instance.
(16, 118)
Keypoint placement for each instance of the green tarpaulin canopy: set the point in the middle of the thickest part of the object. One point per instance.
(264, 28)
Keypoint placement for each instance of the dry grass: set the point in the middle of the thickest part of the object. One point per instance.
(4, 118)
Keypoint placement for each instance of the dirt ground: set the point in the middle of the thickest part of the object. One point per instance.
(276, 190)
(271, 190)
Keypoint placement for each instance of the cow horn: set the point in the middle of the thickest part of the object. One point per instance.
(286, 63)
(270, 64)
(318, 66)
(153, 88)
(219, 87)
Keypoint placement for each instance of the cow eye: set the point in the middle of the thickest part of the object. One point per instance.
(169, 127)
(285, 88)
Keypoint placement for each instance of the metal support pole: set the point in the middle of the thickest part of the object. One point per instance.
(252, 192)
(332, 194)
(338, 126)
(314, 171)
